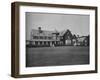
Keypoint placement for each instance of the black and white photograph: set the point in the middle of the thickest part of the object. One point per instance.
(53, 39)
(57, 39)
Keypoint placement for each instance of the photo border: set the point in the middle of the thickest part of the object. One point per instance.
(15, 32)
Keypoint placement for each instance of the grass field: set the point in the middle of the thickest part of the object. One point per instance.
(52, 56)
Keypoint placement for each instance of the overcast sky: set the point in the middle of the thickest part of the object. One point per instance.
(77, 24)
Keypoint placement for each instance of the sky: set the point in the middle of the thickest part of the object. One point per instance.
(77, 24)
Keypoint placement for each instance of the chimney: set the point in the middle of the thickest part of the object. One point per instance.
(39, 28)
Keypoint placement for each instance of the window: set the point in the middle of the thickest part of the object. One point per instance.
(61, 37)
(35, 37)
(45, 37)
(49, 37)
(41, 37)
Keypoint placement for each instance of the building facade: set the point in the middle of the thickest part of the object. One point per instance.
(43, 38)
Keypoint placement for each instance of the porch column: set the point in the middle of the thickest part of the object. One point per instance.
(51, 43)
(38, 43)
(43, 43)
(46, 43)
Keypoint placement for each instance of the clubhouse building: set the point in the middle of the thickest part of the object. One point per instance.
(43, 38)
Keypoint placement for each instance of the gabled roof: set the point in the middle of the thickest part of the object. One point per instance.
(47, 33)
(62, 32)
(42, 33)
(81, 38)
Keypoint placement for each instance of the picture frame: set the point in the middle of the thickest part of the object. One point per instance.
(26, 14)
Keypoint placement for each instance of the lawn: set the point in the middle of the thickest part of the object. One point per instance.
(52, 56)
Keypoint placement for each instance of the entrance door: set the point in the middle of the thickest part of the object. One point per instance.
(68, 42)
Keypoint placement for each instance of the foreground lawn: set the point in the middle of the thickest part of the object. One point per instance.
(52, 56)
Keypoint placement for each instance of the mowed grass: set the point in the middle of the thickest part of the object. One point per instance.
(54, 56)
